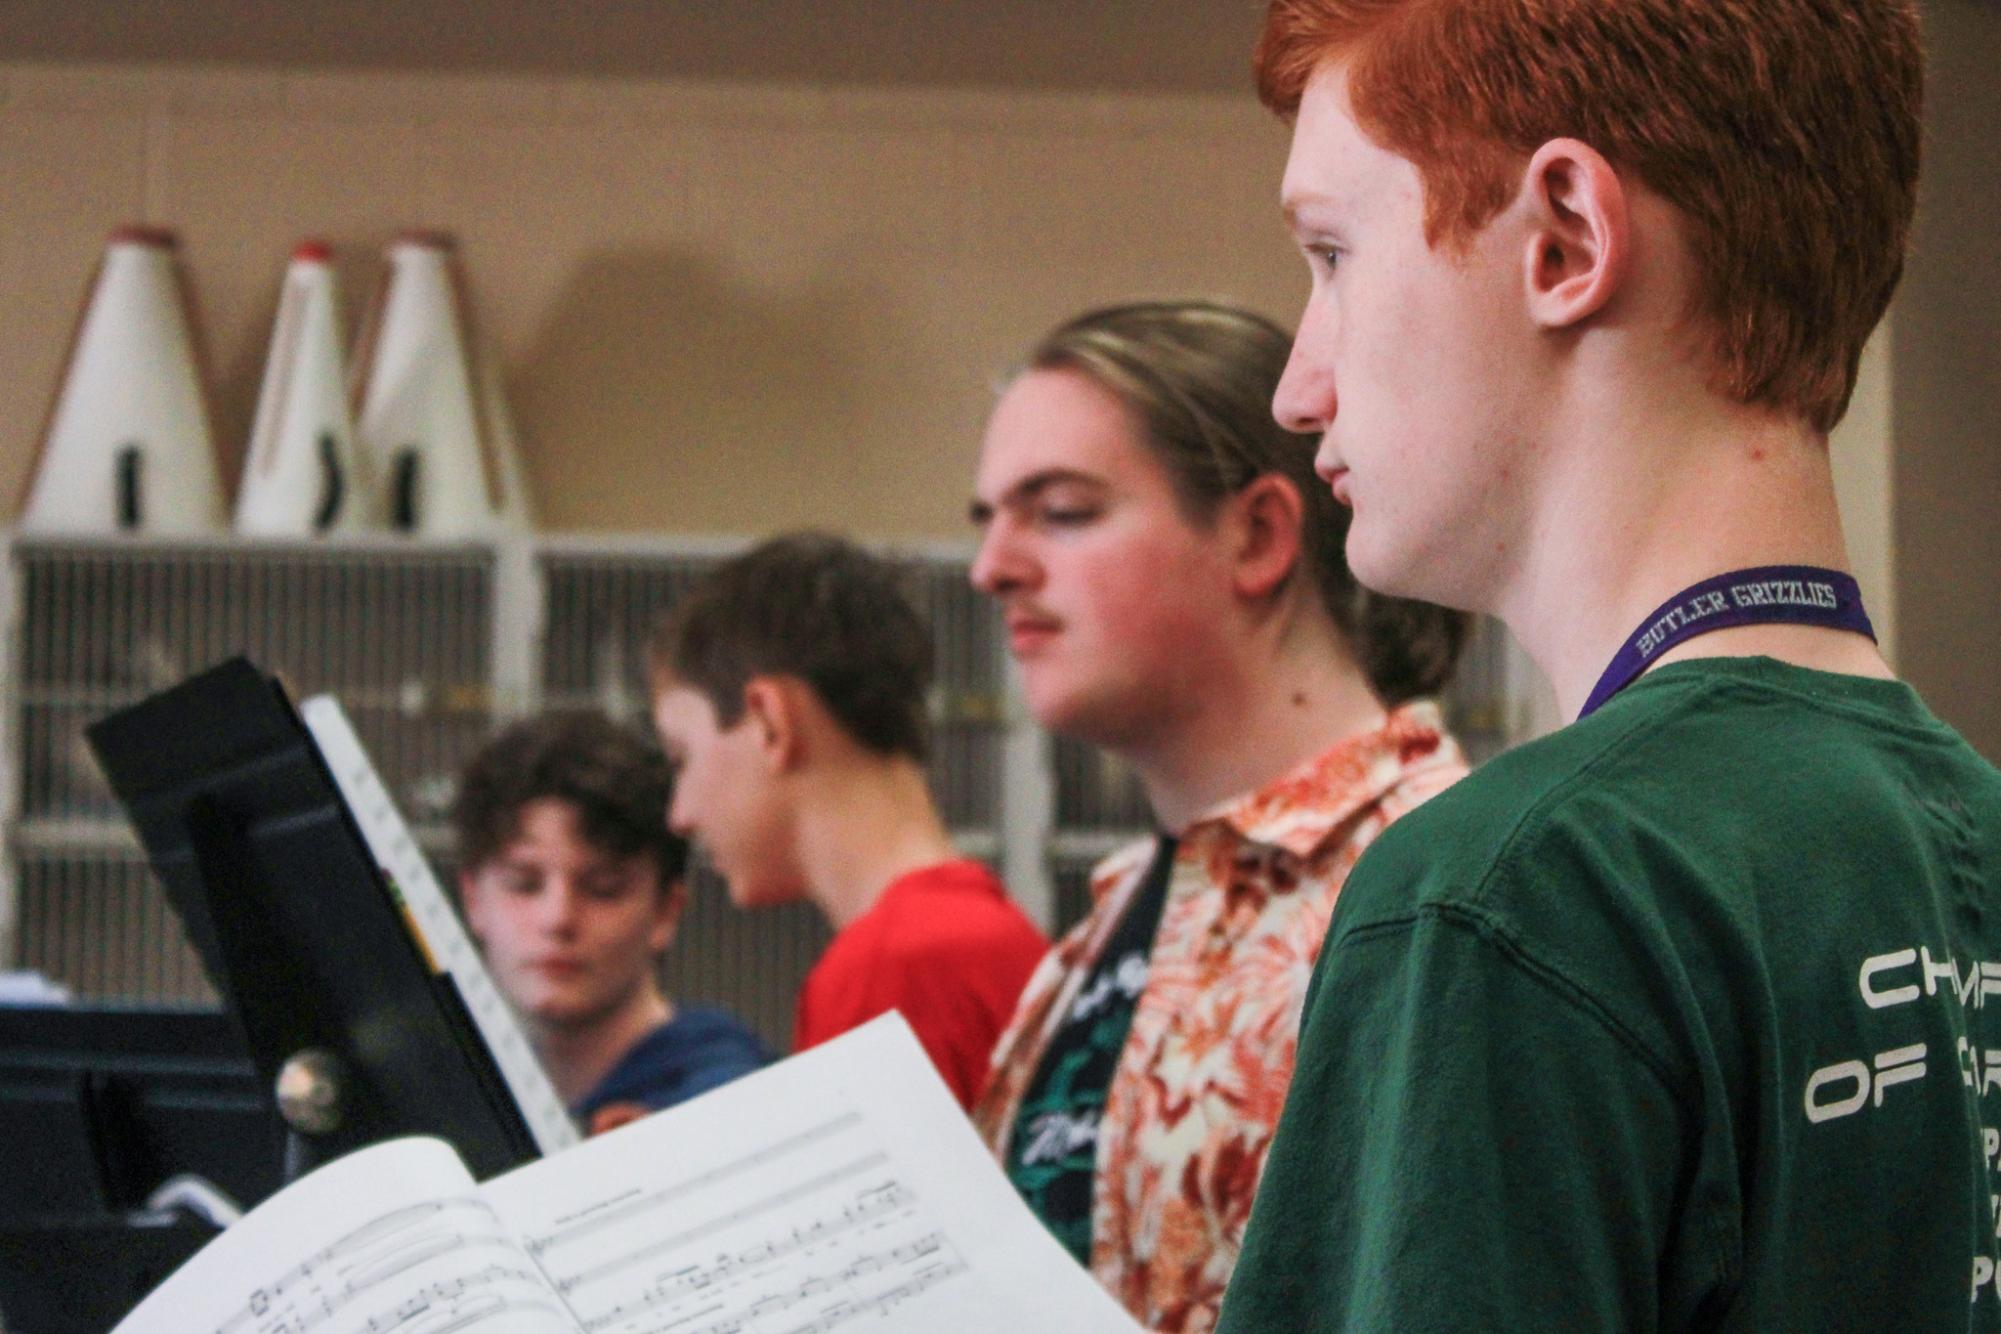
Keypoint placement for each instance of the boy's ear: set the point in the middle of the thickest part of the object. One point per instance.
(1265, 520)
(1579, 247)
(772, 710)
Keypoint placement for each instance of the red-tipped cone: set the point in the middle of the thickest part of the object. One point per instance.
(301, 475)
(426, 421)
(128, 446)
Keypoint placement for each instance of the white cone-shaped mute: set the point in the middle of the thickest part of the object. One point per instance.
(516, 510)
(128, 446)
(302, 475)
(422, 421)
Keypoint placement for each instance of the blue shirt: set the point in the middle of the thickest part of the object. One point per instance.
(700, 1048)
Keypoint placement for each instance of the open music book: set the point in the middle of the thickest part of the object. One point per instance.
(841, 1189)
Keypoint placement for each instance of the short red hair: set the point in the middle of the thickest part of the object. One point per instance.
(1786, 132)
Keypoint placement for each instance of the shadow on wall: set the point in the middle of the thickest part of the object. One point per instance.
(661, 394)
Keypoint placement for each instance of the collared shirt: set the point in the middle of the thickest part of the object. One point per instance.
(1052, 1157)
(1204, 1070)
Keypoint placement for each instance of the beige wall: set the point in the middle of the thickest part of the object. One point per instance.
(727, 307)
(1160, 45)
(722, 308)
(1947, 381)
(1862, 448)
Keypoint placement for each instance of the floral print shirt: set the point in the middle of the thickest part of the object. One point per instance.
(1203, 1072)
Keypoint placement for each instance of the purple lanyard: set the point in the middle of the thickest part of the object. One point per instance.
(1789, 594)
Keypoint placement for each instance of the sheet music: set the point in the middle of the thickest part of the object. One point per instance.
(842, 1190)
(436, 924)
(393, 1240)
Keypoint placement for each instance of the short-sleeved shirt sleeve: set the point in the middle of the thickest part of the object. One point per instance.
(1671, 1020)
(1482, 1123)
(946, 948)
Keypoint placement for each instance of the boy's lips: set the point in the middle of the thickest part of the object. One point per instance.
(1028, 632)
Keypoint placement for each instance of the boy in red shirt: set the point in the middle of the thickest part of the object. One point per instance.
(789, 690)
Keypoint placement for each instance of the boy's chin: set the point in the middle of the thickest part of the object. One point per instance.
(1391, 572)
(751, 894)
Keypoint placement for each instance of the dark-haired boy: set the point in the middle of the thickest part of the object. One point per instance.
(789, 689)
(573, 885)
(1674, 1019)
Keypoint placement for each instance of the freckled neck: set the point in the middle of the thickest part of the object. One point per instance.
(1630, 530)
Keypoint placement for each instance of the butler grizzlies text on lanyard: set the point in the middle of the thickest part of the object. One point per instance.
(1767, 595)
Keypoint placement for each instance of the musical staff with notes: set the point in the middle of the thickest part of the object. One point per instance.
(393, 1239)
(838, 1192)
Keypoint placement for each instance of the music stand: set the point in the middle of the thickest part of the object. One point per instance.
(99, 1108)
(289, 911)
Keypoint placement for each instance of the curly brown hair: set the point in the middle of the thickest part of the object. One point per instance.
(614, 777)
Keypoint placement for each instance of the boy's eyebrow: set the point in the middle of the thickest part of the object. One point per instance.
(981, 512)
(1300, 201)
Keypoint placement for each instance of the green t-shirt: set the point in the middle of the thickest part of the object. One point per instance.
(1672, 1020)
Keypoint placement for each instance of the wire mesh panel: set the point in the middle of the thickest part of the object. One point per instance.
(969, 706)
(401, 634)
(405, 636)
(1489, 704)
(1099, 806)
(97, 921)
(752, 963)
(599, 613)
(1097, 792)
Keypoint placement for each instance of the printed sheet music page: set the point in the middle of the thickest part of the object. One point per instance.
(394, 1237)
(841, 1190)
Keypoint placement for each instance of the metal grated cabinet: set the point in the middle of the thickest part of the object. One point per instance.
(429, 647)
(401, 633)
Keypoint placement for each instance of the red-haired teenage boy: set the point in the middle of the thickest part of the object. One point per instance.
(1673, 1019)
